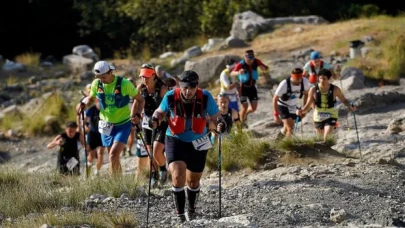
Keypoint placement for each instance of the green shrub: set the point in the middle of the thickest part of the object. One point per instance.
(10, 121)
(371, 67)
(239, 150)
(296, 143)
(56, 106)
(395, 53)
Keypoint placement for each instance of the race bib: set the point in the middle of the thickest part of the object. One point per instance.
(142, 149)
(292, 109)
(203, 143)
(323, 115)
(145, 122)
(72, 163)
(104, 128)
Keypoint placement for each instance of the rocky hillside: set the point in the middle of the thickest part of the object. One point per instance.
(320, 187)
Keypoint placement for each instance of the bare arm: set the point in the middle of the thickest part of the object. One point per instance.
(139, 102)
(264, 68)
(159, 114)
(163, 90)
(275, 105)
(309, 101)
(305, 73)
(234, 73)
(233, 85)
(55, 142)
(305, 98)
(88, 102)
(342, 98)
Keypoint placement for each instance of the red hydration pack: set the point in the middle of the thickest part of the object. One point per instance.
(313, 78)
(177, 124)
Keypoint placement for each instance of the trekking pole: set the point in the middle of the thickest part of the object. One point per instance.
(296, 124)
(151, 154)
(84, 139)
(347, 119)
(220, 168)
(357, 132)
(150, 170)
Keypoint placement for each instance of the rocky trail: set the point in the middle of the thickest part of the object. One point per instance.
(325, 188)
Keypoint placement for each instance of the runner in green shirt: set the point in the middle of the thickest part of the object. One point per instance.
(113, 93)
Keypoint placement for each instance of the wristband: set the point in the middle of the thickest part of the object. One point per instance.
(275, 113)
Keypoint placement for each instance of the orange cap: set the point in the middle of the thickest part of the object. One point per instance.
(146, 72)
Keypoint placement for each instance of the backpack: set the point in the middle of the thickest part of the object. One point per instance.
(149, 106)
(313, 76)
(331, 98)
(249, 77)
(286, 96)
(120, 101)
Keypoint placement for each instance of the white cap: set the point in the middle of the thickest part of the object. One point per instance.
(102, 67)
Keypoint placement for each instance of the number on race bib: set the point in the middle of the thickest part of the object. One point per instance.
(71, 164)
(324, 115)
(104, 128)
(203, 143)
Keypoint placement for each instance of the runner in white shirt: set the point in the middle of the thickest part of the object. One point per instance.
(286, 99)
(229, 86)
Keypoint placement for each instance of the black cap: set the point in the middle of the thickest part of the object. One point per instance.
(189, 78)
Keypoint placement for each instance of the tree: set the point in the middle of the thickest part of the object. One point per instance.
(163, 24)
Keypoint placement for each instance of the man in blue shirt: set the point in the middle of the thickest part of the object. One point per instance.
(187, 138)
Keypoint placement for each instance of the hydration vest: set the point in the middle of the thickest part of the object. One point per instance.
(313, 76)
(286, 96)
(228, 119)
(177, 124)
(251, 74)
(331, 98)
(120, 101)
(152, 101)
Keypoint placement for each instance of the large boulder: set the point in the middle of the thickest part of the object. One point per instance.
(352, 78)
(248, 24)
(192, 52)
(209, 67)
(13, 66)
(85, 51)
(77, 64)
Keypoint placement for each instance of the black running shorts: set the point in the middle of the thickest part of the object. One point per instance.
(285, 113)
(94, 139)
(248, 92)
(327, 122)
(177, 150)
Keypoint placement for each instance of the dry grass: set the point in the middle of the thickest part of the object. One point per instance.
(29, 59)
(325, 38)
